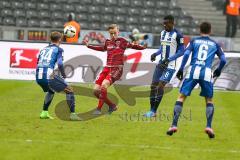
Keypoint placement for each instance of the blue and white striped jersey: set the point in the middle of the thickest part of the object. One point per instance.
(47, 59)
(203, 51)
(170, 44)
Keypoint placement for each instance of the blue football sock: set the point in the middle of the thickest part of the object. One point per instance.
(47, 101)
(152, 96)
(209, 114)
(177, 112)
(152, 102)
(71, 101)
(158, 98)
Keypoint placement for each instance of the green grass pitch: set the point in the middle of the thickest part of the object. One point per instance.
(118, 136)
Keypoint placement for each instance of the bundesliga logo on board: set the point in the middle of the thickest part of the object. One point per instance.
(23, 58)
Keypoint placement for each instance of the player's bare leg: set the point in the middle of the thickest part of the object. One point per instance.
(97, 90)
(71, 103)
(177, 112)
(209, 116)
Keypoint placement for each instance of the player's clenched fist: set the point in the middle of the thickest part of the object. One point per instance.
(153, 57)
(180, 75)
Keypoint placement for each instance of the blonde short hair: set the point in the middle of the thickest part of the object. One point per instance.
(112, 26)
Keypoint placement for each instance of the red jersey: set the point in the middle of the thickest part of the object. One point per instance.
(115, 50)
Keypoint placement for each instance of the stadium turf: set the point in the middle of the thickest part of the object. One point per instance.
(122, 135)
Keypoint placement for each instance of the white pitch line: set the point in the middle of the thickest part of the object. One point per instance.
(140, 146)
(227, 91)
(143, 146)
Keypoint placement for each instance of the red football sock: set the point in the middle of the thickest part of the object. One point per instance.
(102, 97)
(107, 100)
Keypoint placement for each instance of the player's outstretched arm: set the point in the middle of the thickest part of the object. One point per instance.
(95, 47)
(185, 59)
(187, 52)
(184, 62)
(137, 46)
(179, 53)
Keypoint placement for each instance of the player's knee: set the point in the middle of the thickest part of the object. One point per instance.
(68, 90)
(103, 88)
(105, 85)
(161, 85)
(71, 90)
(96, 92)
(154, 86)
(51, 92)
(209, 100)
(182, 98)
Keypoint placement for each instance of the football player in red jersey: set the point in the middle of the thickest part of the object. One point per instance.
(115, 47)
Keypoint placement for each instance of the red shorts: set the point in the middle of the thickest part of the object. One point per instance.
(111, 74)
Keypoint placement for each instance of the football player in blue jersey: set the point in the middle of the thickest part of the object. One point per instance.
(203, 50)
(51, 83)
(171, 47)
